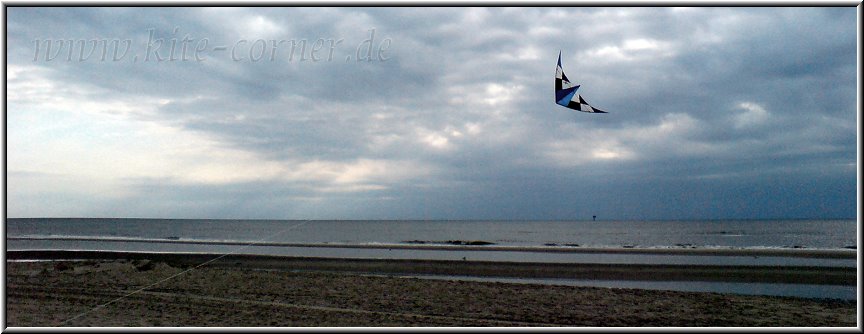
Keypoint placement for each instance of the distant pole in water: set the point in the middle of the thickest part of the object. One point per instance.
(594, 218)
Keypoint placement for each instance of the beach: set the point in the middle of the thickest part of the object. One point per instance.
(149, 289)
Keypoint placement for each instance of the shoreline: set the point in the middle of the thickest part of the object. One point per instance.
(670, 250)
(598, 271)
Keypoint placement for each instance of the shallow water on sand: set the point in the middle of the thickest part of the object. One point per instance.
(468, 255)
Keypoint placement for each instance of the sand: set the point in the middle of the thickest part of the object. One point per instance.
(123, 289)
(645, 272)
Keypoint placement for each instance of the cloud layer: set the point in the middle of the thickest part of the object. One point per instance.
(390, 113)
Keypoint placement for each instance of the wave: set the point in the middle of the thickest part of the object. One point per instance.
(461, 245)
(451, 242)
(725, 233)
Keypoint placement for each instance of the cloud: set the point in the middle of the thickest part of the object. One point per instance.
(753, 114)
(457, 117)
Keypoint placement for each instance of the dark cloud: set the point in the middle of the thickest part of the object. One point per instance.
(715, 112)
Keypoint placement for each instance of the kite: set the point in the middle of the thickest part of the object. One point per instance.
(565, 92)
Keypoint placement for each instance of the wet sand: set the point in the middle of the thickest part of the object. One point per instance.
(597, 271)
(146, 289)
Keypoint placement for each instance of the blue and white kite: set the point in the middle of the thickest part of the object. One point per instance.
(565, 92)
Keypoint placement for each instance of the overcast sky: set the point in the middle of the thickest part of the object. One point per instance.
(714, 113)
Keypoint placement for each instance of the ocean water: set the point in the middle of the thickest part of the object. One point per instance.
(374, 239)
(814, 234)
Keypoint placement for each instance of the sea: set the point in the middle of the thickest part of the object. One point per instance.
(486, 240)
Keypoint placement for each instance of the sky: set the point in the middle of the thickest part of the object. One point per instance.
(430, 113)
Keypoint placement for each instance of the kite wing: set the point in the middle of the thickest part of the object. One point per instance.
(565, 92)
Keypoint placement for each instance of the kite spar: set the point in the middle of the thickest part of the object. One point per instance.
(565, 92)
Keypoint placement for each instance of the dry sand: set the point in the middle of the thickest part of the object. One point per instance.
(238, 292)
